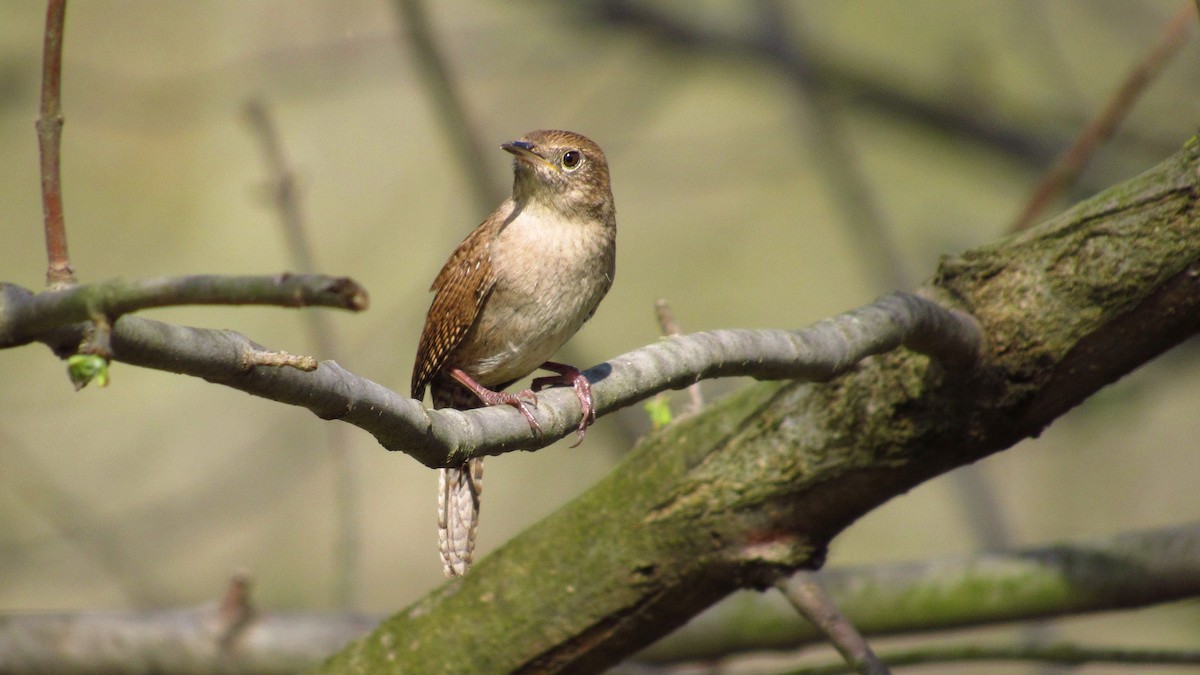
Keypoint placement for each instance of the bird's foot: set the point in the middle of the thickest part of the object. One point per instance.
(570, 375)
(488, 397)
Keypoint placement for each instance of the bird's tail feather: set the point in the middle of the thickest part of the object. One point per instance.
(458, 515)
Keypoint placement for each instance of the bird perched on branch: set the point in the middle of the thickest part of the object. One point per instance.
(517, 288)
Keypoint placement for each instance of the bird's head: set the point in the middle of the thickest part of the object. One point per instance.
(561, 170)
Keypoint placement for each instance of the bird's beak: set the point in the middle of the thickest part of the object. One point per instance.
(523, 150)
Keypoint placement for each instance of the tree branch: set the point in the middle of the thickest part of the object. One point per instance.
(25, 317)
(448, 437)
(809, 598)
(754, 487)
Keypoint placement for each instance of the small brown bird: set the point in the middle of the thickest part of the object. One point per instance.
(517, 288)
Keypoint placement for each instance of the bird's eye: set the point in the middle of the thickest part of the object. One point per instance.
(571, 160)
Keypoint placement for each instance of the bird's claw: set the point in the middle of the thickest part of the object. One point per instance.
(583, 391)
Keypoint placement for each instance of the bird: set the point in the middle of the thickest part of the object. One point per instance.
(510, 295)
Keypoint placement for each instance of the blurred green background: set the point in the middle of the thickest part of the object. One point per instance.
(733, 204)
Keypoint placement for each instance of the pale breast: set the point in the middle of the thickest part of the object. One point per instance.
(550, 276)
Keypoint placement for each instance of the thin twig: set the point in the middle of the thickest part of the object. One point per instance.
(810, 599)
(285, 197)
(1071, 162)
(59, 272)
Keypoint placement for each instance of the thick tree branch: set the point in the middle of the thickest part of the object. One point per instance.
(754, 488)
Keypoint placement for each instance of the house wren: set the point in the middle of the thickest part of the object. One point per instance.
(517, 288)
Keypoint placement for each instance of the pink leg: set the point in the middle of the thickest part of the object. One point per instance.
(583, 390)
(489, 397)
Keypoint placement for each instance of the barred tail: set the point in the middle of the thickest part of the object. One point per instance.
(458, 515)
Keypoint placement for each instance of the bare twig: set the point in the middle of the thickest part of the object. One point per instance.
(59, 272)
(23, 315)
(809, 598)
(286, 200)
(666, 318)
(1072, 161)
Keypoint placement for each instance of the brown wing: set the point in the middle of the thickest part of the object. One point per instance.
(461, 289)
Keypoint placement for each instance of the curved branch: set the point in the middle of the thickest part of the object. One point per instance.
(820, 352)
(448, 437)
